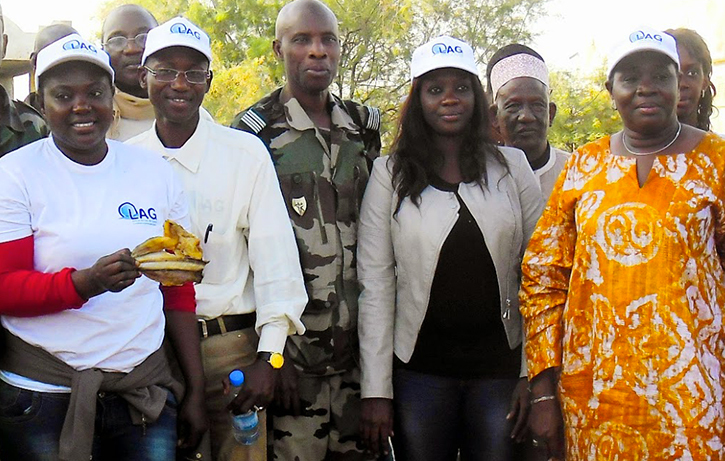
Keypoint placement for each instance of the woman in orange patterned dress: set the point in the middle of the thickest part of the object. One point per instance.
(622, 289)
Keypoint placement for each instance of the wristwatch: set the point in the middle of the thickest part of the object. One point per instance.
(275, 359)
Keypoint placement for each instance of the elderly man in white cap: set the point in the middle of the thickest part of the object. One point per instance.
(252, 293)
(518, 84)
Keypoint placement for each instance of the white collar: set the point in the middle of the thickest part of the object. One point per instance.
(189, 155)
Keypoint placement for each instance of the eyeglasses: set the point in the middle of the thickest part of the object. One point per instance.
(195, 77)
(120, 42)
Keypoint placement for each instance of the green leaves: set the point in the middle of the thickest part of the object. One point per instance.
(584, 111)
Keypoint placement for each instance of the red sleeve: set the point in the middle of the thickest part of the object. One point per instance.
(181, 298)
(27, 292)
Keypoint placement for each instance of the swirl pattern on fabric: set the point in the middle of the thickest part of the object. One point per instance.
(623, 289)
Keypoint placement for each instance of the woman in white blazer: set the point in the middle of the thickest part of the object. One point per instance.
(444, 224)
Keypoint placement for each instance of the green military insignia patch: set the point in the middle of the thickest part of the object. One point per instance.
(299, 205)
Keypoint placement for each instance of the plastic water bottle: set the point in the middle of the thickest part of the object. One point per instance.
(245, 427)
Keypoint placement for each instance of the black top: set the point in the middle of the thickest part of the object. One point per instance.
(462, 334)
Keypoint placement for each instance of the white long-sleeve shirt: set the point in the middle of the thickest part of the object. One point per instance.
(238, 213)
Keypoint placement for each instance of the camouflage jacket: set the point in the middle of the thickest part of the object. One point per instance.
(322, 187)
(20, 124)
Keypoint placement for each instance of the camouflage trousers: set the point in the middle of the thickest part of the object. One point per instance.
(328, 428)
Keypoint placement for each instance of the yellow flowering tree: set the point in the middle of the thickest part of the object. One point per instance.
(236, 88)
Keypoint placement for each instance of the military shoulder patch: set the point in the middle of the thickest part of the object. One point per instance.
(373, 122)
(254, 121)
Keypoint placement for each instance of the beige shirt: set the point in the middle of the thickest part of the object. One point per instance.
(237, 210)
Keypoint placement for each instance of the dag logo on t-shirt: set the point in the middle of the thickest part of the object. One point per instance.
(129, 211)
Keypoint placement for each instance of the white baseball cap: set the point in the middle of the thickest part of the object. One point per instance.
(178, 31)
(644, 39)
(71, 48)
(443, 51)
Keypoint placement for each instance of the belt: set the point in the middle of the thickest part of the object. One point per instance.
(225, 324)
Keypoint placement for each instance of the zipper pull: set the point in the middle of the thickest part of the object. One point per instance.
(507, 312)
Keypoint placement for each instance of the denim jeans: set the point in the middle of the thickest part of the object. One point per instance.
(436, 416)
(31, 422)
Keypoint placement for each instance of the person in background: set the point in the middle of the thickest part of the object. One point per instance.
(440, 330)
(43, 38)
(696, 88)
(521, 112)
(622, 293)
(20, 124)
(322, 148)
(82, 371)
(124, 38)
(252, 293)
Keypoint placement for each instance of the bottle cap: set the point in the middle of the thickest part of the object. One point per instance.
(236, 378)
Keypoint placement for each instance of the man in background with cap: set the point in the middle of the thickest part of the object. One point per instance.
(20, 124)
(322, 148)
(252, 293)
(518, 83)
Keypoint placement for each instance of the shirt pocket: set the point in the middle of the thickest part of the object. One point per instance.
(221, 251)
(302, 197)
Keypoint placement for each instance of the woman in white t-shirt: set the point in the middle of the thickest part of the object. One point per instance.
(83, 372)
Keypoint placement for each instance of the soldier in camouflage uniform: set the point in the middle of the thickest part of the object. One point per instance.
(322, 148)
(20, 124)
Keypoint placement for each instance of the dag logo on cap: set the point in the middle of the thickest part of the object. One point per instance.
(71, 48)
(178, 31)
(181, 28)
(644, 39)
(79, 45)
(442, 52)
(642, 35)
(442, 48)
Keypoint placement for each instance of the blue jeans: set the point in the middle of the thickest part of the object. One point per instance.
(436, 416)
(31, 422)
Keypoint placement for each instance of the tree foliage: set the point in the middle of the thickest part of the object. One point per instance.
(223, 101)
(486, 25)
(377, 41)
(584, 109)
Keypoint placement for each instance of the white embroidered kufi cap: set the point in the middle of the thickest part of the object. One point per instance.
(516, 66)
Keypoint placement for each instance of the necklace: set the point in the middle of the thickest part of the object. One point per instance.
(677, 135)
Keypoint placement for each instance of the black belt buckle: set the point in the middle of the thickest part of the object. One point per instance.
(203, 329)
(231, 323)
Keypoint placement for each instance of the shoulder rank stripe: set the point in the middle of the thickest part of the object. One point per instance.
(254, 121)
(373, 118)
